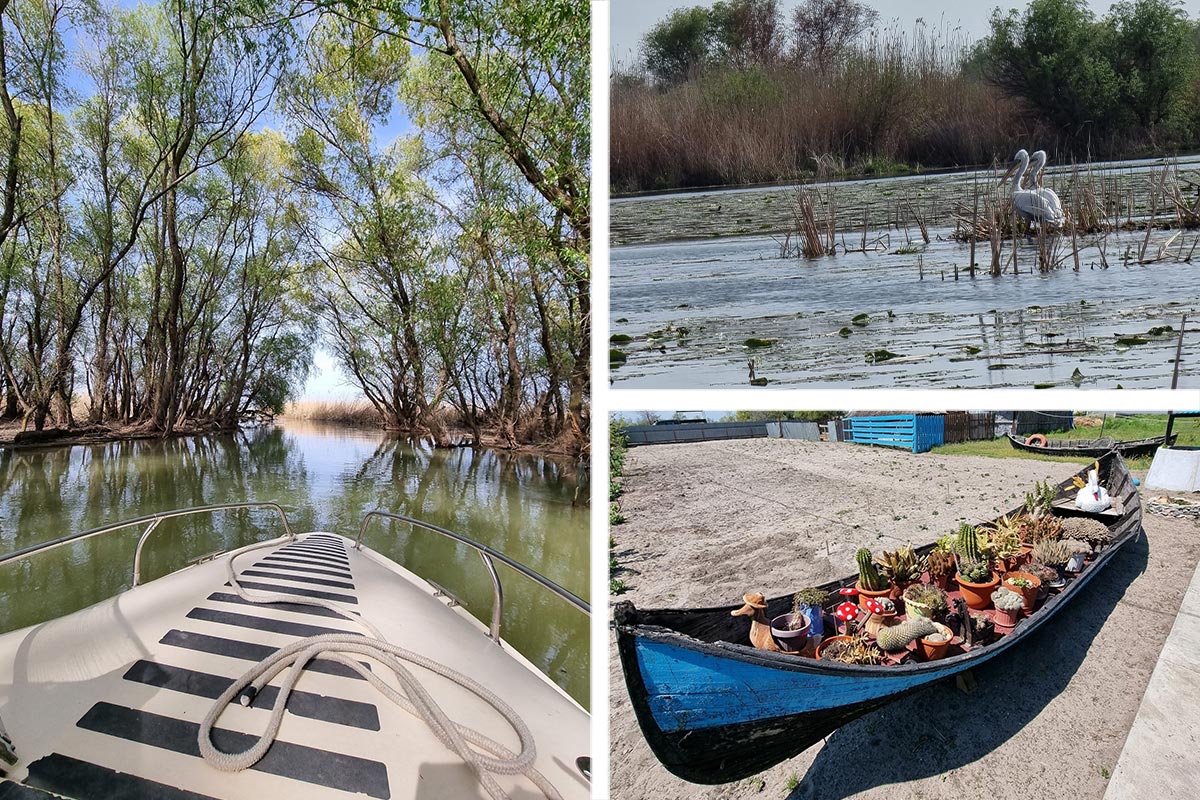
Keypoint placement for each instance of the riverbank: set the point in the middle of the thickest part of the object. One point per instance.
(709, 522)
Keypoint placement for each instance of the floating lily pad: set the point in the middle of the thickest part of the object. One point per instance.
(616, 358)
(1000, 366)
(759, 382)
(1160, 330)
(620, 338)
(972, 349)
(844, 332)
(1077, 377)
(1129, 341)
(879, 356)
(861, 320)
(753, 342)
(1043, 386)
(623, 319)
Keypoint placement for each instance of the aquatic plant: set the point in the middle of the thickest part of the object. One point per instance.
(868, 576)
(896, 637)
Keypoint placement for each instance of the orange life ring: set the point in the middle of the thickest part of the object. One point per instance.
(1037, 440)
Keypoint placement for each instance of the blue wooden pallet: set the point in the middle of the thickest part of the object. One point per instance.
(918, 433)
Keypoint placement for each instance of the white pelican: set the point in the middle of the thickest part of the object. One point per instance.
(1040, 205)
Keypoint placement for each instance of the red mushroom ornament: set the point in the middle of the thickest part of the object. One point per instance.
(873, 605)
(846, 612)
(849, 592)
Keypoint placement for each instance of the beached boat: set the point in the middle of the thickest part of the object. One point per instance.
(1091, 448)
(145, 694)
(715, 710)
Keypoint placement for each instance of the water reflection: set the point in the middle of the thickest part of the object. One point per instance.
(327, 478)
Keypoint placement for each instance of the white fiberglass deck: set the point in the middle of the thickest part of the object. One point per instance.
(107, 702)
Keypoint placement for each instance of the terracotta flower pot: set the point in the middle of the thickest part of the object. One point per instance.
(978, 595)
(863, 594)
(1007, 619)
(1029, 594)
(825, 644)
(790, 641)
(935, 650)
(941, 581)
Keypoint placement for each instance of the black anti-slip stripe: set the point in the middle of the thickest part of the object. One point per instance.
(296, 761)
(295, 608)
(310, 562)
(247, 651)
(281, 563)
(270, 587)
(262, 623)
(305, 704)
(279, 574)
(19, 791)
(335, 561)
(71, 777)
(317, 548)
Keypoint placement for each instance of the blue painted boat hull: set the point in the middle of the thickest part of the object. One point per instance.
(715, 710)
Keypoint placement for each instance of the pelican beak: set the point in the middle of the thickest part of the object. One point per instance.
(1011, 169)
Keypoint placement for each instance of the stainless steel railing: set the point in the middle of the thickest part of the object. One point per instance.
(489, 557)
(151, 522)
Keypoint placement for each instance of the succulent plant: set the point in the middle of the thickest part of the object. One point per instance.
(1092, 531)
(933, 601)
(856, 651)
(1041, 529)
(1075, 546)
(811, 596)
(966, 544)
(974, 571)
(1007, 600)
(944, 544)
(1052, 552)
(1046, 575)
(868, 576)
(941, 562)
(1037, 502)
(983, 628)
(902, 566)
(1007, 537)
(1020, 583)
(895, 638)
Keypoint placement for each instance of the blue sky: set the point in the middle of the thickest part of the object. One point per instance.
(632, 18)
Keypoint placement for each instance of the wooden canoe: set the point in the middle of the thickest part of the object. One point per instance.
(714, 709)
(1093, 448)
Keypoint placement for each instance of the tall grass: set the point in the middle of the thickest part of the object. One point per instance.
(341, 412)
(900, 98)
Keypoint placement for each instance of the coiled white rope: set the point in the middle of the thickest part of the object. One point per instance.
(485, 756)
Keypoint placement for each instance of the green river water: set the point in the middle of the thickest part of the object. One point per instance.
(326, 478)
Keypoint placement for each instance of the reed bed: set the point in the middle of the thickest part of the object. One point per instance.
(341, 412)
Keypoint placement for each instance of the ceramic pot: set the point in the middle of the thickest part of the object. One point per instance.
(935, 650)
(790, 641)
(1007, 619)
(877, 621)
(825, 644)
(1029, 593)
(1075, 563)
(863, 594)
(978, 595)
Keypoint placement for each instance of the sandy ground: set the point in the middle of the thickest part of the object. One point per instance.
(708, 522)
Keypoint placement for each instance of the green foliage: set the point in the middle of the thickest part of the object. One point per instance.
(1153, 51)
(868, 575)
(677, 46)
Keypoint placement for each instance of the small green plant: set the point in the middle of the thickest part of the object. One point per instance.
(1037, 501)
(615, 517)
(941, 562)
(811, 597)
(858, 650)
(1007, 600)
(1042, 572)
(925, 600)
(902, 566)
(868, 576)
(616, 586)
(1040, 529)
(1020, 583)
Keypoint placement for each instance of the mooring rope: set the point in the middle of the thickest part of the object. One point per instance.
(485, 756)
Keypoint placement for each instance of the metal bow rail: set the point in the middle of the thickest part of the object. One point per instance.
(151, 522)
(487, 554)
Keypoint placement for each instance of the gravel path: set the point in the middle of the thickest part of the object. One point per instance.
(708, 522)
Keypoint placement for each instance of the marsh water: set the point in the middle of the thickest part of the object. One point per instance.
(326, 478)
(697, 275)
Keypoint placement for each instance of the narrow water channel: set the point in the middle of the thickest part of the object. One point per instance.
(327, 478)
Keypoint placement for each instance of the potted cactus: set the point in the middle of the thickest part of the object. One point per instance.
(1008, 607)
(870, 582)
(1086, 529)
(1047, 575)
(1025, 584)
(811, 602)
(897, 637)
(791, 630)
(849, 650)
(1007, 539)
(975, 577)
(925, 600)
(983, 629)
(941, 567)
(935, 645)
